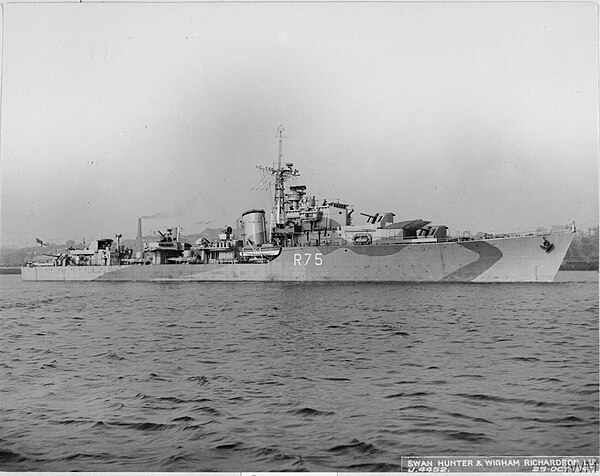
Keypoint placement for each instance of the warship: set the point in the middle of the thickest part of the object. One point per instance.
(308, 239)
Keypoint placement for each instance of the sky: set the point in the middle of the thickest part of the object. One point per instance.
(481, 116)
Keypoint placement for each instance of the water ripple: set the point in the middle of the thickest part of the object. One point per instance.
(292, 377)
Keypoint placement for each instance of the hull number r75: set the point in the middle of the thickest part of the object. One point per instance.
(303, 259)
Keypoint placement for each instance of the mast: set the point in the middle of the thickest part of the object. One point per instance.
(280, 131)
(281, 173)
(279, 183)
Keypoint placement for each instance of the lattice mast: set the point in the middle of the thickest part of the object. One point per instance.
(282, 174)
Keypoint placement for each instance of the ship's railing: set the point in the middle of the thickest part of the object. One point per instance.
(420, 240)
(542, 232)
(537, 232)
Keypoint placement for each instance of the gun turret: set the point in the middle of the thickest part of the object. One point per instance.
(371, 218)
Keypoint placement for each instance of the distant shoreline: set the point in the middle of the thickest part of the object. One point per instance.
(9, 270)
(579, 265)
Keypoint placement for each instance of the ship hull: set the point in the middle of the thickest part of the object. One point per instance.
(515, 259)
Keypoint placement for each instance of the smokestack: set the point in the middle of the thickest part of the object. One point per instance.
(138, 240)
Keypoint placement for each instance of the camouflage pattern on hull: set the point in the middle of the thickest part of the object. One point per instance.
(515, 259)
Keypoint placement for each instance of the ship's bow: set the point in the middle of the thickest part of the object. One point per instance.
(532, 258)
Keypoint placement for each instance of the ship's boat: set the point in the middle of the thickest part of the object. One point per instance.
(309, 239)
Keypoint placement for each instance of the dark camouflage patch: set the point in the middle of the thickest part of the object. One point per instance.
(366, 250)
(488, 256)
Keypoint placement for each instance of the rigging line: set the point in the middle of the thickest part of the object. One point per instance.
(266, 184)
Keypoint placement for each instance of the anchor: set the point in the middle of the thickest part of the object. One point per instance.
(547, 246)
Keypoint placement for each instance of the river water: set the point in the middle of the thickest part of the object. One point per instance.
(318, 377)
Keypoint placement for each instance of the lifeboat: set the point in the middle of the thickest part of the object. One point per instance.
(362, 239)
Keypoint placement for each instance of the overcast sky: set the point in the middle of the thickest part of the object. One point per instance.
(480, 116)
